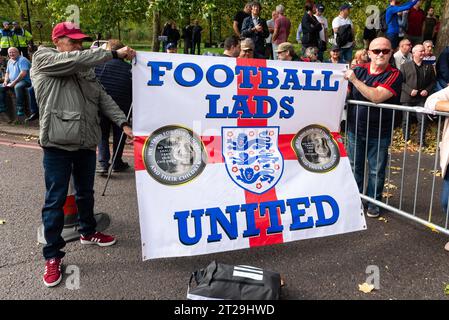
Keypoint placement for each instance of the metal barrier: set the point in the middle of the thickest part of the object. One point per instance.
(411, 187)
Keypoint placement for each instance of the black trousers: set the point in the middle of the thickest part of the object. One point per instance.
(196, 45)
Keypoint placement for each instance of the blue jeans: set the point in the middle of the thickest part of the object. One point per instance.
(59, 165)
(32, 101)
(376, 170)
(19, 90)
(346, 54)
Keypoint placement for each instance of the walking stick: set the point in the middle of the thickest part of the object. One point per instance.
(116, 152)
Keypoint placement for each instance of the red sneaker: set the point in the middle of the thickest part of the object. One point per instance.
(52, 275)
(98, 238)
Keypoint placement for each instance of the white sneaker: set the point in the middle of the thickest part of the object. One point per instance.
(372, 212)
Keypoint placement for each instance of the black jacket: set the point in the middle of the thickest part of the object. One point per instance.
(173, 36)
(116, 78)
(257, 37)
(311, 28)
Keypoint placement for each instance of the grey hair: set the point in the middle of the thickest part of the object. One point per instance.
(280, 8)
(310, 51)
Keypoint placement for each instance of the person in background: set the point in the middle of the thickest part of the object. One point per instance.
(6, 41)
(187, 37)
(376, 82)
(246, 49)
(239, 17)
(419, 80)
(335, 56)
(171, 48)
(34, 108)
(311, 28)
(232, 47)
(429, 58)
(391, 17)
(116, 78)
(21, 38)
(360, 57)
(70, 100)
(322, 46)
(402, 22)
(311, 55)
(439, 101)
(196, 37)
(369, 34)
(174, 35)
(299, 33)
(342, 24)
(429, 25)
(269, 43)
(17, 78)
(415, 22)
(282, 27)
(403, 54)
(442, 68)
(165, 33)
(286, 52)
(256, 28)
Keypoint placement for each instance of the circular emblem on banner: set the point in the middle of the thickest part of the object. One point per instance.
(316, 149)
(174, 155)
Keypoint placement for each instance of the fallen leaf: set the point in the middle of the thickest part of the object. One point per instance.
(383, 219)
(390, 186)
(387, 195)
(446, 290)
(432, 228)
(436, 173)
(366, 288)
(395, 168)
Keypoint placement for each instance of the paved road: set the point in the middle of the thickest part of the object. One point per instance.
(411, 259)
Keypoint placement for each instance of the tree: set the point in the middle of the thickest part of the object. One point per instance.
(443, 35)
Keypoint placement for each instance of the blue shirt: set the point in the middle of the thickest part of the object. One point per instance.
(15, 67)
(391, 16)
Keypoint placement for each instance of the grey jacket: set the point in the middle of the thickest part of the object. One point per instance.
(70, 98)
(409, 75)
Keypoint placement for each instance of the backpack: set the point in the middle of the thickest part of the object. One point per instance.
(221, 281)
(383, 25)
(344, 35)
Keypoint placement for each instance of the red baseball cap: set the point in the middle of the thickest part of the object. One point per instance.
(68, 29)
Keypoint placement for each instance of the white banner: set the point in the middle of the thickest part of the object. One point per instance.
(237, 153)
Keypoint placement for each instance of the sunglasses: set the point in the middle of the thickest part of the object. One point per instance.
(248, 50)
(378, 51)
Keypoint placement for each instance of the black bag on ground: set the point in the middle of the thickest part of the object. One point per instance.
(220, 281)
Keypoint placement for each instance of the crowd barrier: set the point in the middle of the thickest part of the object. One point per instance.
(413, 181)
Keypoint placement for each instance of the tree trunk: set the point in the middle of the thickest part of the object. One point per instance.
(443, 34)
(156, 28)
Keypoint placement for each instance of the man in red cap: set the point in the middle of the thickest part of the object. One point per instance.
(70, 100)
